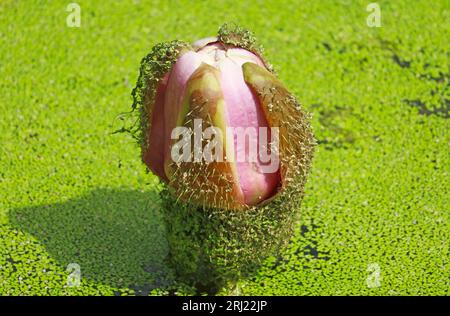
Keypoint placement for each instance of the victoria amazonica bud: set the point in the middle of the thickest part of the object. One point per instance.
(232, 147)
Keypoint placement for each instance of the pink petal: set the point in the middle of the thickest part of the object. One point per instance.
(176, 86)
(154, 156)
(244, 111)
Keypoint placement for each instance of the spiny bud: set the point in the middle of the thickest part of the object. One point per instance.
(233, 148)
(251, 135)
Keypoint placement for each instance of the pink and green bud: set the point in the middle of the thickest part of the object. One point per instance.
(233, 148)
(218, 127)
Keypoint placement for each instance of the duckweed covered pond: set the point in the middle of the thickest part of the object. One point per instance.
(76, 200)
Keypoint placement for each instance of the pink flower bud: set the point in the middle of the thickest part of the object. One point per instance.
(218, 127)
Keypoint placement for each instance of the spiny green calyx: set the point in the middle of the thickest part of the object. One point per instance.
(153, 68)
(282, 109)
(234, 35)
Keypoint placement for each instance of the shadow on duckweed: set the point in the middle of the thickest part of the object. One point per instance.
(117, 237)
